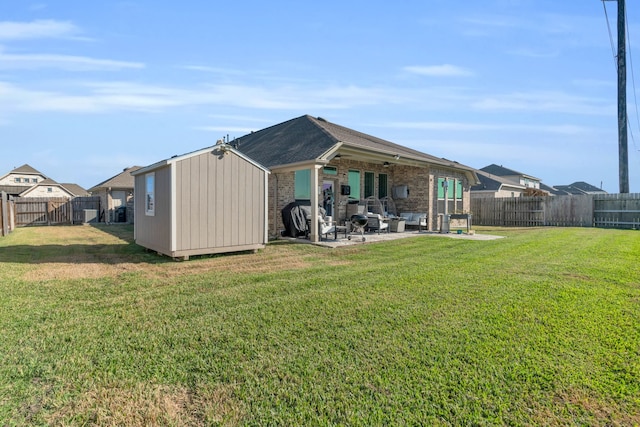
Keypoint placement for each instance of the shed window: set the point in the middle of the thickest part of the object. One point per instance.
(303, 185)
(150, 194)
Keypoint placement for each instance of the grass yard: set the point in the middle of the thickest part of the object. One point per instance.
(539, 328)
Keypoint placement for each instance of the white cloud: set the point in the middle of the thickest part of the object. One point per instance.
(38, 29)
(503, 127)
(64, 62)
(124, 96)
(445, 70)
(546, 101)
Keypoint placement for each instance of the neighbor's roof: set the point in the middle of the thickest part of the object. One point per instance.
(308, 138)
(502, 171)
(24, 170)
(579, 187)
(122, 180)
(48, 182)
(13, 190)
(77, 190)
(490, 182)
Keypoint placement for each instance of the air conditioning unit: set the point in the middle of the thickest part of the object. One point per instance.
(90, 215)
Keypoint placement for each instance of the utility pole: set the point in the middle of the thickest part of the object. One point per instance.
(623, 156)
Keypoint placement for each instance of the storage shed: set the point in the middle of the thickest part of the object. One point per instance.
(209, 201)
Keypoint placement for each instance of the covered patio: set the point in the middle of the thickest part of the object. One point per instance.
(342, 241)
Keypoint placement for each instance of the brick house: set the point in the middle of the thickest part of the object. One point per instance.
(327, 164)
(116, 196)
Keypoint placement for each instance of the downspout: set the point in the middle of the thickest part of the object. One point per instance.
(275, 206)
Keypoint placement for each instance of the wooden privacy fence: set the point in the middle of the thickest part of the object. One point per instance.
(53, 210)
(591, 210)
(7, 217)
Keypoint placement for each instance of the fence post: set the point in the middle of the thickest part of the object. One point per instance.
(4, 201)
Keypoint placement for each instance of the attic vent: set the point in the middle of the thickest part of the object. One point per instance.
(322, 119)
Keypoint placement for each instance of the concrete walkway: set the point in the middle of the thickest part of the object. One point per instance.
(356, 238)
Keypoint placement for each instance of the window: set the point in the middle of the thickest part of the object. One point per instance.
(34, 180)
(302, 185)
(150, 194)
(18, 179)
(354, 183)
(383, 185)
(330, 170)
(49, 190)
(454, 189)
(369, 184)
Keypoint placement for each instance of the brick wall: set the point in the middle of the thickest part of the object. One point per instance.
(421, 182)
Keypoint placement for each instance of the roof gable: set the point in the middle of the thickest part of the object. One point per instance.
(490, 182)
(296, 140)
(26, 169)
(122, 180)
(75, 189)
(221, 147)
(500, 170)
(306, 139)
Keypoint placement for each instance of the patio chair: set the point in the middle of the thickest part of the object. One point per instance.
(326, 226)
(375, 222)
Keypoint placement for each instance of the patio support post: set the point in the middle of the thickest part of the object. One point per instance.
(313, 233)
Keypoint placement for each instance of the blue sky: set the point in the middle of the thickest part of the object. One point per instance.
(89, 88)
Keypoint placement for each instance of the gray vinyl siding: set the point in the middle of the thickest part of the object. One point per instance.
(220, 203)
(154, 232)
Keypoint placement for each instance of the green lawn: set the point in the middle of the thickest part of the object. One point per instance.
(539, 328)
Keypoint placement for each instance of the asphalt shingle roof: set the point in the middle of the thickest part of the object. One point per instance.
(122, 180)
(307, 138)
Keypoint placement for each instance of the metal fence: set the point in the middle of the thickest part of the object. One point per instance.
(593, 210)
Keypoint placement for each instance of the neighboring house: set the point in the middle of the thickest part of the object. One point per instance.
(493, 186)
(578, 188)
(76, 190)
(515, 177)
(209, 201)
(26, 181)
(50, 188)
(20, 179)
(323, 163)
(116, 196)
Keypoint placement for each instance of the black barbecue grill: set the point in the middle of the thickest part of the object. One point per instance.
(358, 224)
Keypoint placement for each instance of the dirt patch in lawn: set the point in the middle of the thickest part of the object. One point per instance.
(576, 406)
(152, 405)
(87, 266)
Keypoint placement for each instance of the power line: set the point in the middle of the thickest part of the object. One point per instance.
(633, 83)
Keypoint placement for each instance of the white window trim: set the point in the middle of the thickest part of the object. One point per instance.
(150, 208)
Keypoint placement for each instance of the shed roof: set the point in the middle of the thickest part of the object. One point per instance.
(224, 148)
